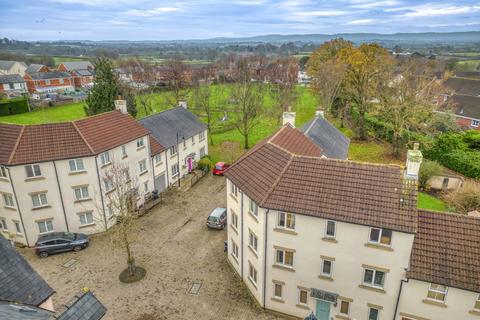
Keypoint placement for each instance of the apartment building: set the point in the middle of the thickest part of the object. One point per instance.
(56, 177)
(340, 239)
(184, 140)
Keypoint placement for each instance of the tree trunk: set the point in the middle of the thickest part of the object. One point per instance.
(362, 127)
(245, 146)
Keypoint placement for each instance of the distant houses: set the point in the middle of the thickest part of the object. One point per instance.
(12, 85)
(12, 67)
(464, 100)
(49, 82)
(82, 73)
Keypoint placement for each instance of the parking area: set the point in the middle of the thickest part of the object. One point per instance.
(188, 276)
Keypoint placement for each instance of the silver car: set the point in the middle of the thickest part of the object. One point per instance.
(217, 219)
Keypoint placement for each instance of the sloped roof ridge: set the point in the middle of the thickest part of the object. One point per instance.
(83, 138)
(280, 176)
(160, 112)
(16, 145)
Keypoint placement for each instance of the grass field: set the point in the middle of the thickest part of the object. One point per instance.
(426, 201)
(469, 65)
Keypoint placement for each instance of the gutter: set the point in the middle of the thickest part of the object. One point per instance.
(241, 233)
(61, 196)
(101, 193)
(18, 206)
(265, 261)
(398, 297)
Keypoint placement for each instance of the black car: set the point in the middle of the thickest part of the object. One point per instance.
(56, 242)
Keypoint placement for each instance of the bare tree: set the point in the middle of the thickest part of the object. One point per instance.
(247, 98)
(176, 76)
(466, 198)
(203, 106)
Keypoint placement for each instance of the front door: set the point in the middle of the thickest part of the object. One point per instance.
(190, 164)
(323, 310)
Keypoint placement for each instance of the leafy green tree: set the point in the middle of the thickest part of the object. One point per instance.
(131, 104)
(428, 169)
(105, 89)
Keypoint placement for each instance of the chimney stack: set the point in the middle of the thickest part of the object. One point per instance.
(320, 113)
(288, 117)
(121, 105)
(414, 160)
(183, 104)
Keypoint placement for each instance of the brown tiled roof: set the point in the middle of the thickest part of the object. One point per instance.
(463, 85)
(367, 194)
(155, 147)
(466, 106)
(46, 142)
(288, 138)
(108, 130)
(446, 250)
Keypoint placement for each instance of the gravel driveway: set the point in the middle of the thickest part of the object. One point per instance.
(177, 250)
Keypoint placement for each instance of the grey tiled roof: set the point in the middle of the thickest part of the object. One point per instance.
(34, 68)
(331, 140)
(84, 72)
(49, 75)
(19, 282)
(164, 126)
(11, 78)
(12, 311)
(5, 65)
(77, 65)
(84, 307)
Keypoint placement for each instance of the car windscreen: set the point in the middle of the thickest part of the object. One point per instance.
(69, 235)
(212, 219)
(218, 167)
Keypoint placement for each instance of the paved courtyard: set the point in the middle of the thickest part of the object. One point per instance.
(177, 250)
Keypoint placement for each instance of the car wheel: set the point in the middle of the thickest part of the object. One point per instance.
(77, 248)
(43, 254)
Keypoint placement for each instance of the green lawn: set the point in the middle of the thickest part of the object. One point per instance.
(66, 112)
(426, 201)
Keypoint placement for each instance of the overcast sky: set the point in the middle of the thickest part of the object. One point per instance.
(200, 19)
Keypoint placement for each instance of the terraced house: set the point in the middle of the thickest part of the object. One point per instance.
(345, 240)
(54, 177)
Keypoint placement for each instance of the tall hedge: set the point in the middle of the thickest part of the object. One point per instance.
(13, 106)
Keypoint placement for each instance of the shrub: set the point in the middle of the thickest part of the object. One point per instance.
(428, 169)
(472, 139)
(465, 162)
(204, 164)
(466, 198)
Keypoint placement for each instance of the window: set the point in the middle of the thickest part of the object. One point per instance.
(202, 152)
(253, 241)
(234, 219)
(108, 184)
(39, 200)
(252, 273)
(234, 249)
(60, 81)
(109, 211)
(81, 193)
(253, 208)
(373, 314)
(145, 186)
(184, 144)
(47, 82)
(45, 226)
(233, 189)
(3, 224)
(158, 158)
(344, 307)
(475, 123)
(302, 296)
(126, 172)
(327, 267)
(201, 136)
(105, 158)
(193, 140)
(173, 150)
(17, 226)
(8, 199)
(33, 170)
(374, 278)
(477, 304)
(3, 172)
(437, 292)
(124, 151)
(277, 290)
(286, 220)
(140, 143)
(330, 229)
(174, 169)
(142, 166)
(381, 236)
(86, 218)
(76, 165)
(284, 257)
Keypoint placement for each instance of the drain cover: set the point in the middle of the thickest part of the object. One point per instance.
(69, 263)
(195, 288)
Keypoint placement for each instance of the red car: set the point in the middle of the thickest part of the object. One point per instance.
(220, 168)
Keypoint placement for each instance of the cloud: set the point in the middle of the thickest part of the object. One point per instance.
(361, 22)
(151, 12)
(323, 13)
(375, 4)
(435, 10)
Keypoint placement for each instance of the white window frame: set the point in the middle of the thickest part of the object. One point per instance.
(253, 241)
(145, 186)
(45, 223)
(158, 158)
(105, 158)
(437, 291)
(334, 229)
(8, 199)
(193, 140)
(234, 219)
(286, 226)
(202, 152)
(176, 172)
(340, 308)
(108, 185)
(380, 236)
(233, 189)
(18, 227)
(475, 123)
(252, 273)
(85, 215)
(173, 150)
(476, 305)
(281, 285)
(142, 166)
(140, 143)
(372, 284)
(3, 172)
(35, 170)
(300, 302)
(124, 151)
(323, 266)
(369, 313)
(234, 249)
(201, 136)
(81, 193)
(42, 201)
(283, 260)
(76, 165)
(253, 208)
(3, 224)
